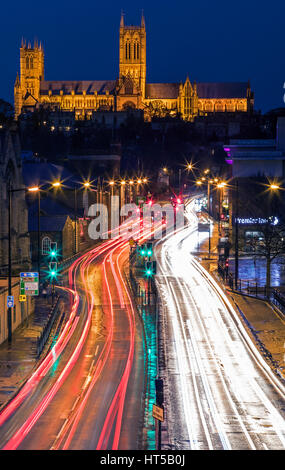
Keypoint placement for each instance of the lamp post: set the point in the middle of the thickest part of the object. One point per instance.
(10, 191)
(86, 185)
(75, 217)
(122, 197)
(131, 185)
(9, 319)
(236, 235)
(39, 234)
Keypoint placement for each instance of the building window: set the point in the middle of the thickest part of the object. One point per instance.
(27, 63)
(46, 242)
(14, 314)
(128, 50)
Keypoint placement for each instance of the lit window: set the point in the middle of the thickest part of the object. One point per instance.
(46, 244)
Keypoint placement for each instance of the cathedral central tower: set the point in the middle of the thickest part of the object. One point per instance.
(132, 57)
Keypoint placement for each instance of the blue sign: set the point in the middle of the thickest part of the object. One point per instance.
(10, 301)
(29, 275)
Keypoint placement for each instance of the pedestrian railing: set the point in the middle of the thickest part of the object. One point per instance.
(42, 339)
(251, 287)
(278, 299)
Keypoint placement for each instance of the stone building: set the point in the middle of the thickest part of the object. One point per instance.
(130, 90)
(11, 173)
(57, 229)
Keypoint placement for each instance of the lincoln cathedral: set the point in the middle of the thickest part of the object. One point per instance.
(187, 99)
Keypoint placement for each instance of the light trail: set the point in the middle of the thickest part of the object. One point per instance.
(117, 405)
(68, 429)
(17, 438)
(220, 371)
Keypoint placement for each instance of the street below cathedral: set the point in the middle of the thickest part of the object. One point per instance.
(220, 393)
(87, 393)
(142, 232)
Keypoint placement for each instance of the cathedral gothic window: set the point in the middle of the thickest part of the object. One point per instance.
(29, 63)
(128, 50)
(136, 50)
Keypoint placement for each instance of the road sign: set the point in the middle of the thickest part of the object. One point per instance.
(29, 283)
(203, 227)
(10, 301)
(22, 298)
(158, 412)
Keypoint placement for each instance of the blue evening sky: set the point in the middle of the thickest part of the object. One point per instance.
(211, 40)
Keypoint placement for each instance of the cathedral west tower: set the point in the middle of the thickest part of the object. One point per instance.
(132, 60)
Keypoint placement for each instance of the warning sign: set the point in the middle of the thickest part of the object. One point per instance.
(158, 412)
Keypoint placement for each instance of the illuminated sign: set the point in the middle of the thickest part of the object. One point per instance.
(29, 283)
(257, 220)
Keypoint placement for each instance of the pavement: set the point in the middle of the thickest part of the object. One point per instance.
(265, 323)
(146, 310)
(18, 358)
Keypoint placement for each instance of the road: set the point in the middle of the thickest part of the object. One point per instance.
(219, 392)
(87, 393)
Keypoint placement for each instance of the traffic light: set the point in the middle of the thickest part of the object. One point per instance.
(149, 251)
(53, 270)
(148, 269)
(142, 250)
(53, 250)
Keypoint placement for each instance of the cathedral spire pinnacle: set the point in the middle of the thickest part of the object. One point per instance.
(143, 20)
(122, 23)
(17, 82)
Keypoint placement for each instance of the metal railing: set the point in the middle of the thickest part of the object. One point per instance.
(42, 339)
(249, 287)
(278, 299)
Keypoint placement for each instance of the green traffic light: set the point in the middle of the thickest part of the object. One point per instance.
(148, 272)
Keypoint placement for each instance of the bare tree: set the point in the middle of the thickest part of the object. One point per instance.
(271, 245)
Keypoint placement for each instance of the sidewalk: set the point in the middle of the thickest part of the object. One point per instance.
(18, 358)
(264, 323)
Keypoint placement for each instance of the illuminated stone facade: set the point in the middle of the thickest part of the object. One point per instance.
(129, 90)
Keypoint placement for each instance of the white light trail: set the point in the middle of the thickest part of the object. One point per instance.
(227, 388)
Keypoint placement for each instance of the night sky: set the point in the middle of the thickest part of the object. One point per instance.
(210, 40)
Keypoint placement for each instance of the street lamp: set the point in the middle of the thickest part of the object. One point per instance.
(10, 191)
(131, 184)
(86, 185)
(274, 186)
